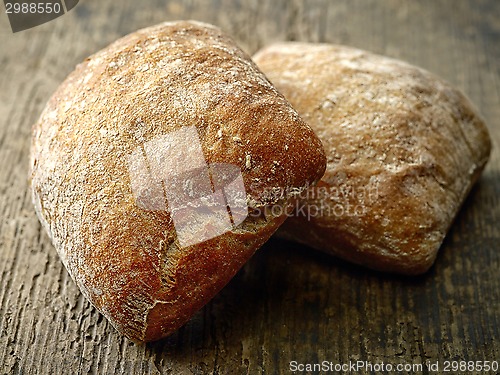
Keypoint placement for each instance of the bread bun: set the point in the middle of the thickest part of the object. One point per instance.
(403, 151)
(158, 135)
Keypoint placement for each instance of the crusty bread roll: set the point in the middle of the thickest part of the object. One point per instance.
(171, 121)
(403, 150)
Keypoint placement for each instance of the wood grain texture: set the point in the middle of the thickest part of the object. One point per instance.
(289, 302)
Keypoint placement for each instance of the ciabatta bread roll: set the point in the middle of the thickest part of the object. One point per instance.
(403, 150)
(152, 166)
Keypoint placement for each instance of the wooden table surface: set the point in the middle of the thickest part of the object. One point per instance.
(288, 303)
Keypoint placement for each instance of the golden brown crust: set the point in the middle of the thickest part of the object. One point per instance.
(403, 150)
(127, 260)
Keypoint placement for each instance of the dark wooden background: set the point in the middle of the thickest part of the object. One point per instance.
(288, 303)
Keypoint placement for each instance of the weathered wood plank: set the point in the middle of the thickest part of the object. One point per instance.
(288, 303)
